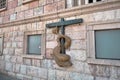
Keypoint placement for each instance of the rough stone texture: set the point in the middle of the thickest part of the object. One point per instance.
(13, 63)
(27, 61)
(78, 55)
(38, 11)
(23, 69)
(9, 66)
(12, 17)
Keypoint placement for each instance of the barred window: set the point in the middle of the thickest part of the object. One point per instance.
(2, 4)
(72, 3)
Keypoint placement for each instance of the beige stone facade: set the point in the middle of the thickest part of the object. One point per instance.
(21, 19)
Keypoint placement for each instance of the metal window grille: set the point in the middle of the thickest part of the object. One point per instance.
(2, 4)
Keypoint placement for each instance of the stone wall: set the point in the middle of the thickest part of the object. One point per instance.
(14, 62)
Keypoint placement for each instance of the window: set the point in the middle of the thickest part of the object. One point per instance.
(103, 43)
(92, 1)
(107, 44)
(72, 3)
(34, 44)
(3, 4)
(1, 45)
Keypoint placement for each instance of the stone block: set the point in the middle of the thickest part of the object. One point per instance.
(75, 27)
(77, 35)
(33, 4)
(99, 16)
(109, 15)
(34, 26)
(19, 44)
(12, 74)
(77, 67)
(42, 2)
(13, 17)
(6, 18)
(14, 44)
(13, 59)
(20, 15)
(32, 71)
(49, 53)
(78, 44)
(62, 75)
(49, 1)
(51, 44)
(18, 9)
(6, 51)
(51, 74)
(41, 26)
(19, 76)
(38, 11)
(2, 65)
(28, 61)
(50, 7)
(1, 19)
(9, 44)
(24, 7)
(9, 66)
(103, 71)
(101, 78)
(61, 5)
(18, 51)
(47, 63)
(15, 34)
(50, 37)
(25, 77)
(118, 73)
(118, 13)
(36, 78)
(78, 55)
(23, 69)
(36, 62)
(19, 2)
(19, 38)
(19, 59)
(17, 68)
(22, 28)
(21, 33)
(7, 58)
(77, 76)
(100, 70)
(42, 73)
(11, 51)
(29, 13)
(114, 72)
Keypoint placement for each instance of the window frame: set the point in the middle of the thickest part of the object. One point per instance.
(42, 53)
(2, 9)
(2, 36)
(91, 56)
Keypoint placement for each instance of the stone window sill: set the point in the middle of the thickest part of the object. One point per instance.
(103, 62)
(33, 56)
(3, 9)
(27, 1)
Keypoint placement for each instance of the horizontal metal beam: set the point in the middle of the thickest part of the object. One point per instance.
(64, 23)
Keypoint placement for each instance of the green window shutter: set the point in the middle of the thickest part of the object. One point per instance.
(107, 44)
(34, 44)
